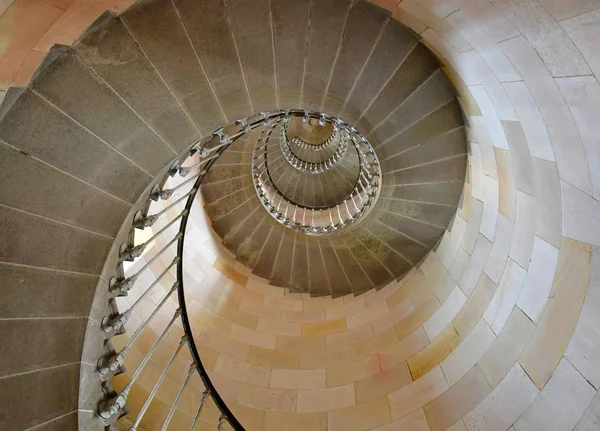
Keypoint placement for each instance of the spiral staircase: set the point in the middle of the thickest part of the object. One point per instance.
(295, 214)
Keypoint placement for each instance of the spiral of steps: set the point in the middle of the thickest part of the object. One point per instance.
(458, 302)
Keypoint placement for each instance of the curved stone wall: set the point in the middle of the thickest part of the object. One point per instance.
(496, 329)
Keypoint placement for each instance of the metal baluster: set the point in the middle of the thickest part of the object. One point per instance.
(165, 194)
(131, 253)
(106, 366)
(142, 412)
(184, 170)
(114, 324)
(149, 220)
(203, 399)
(112, 406)
(221, 423)
(121, 287)
(178, 397)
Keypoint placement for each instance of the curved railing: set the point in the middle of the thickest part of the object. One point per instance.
(162, 219)
(328, 162)
(318, 221)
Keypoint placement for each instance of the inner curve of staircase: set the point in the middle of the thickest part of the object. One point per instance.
(496, 329)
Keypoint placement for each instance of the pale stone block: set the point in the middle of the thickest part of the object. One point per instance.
(561, 403)
(567, 145)
(519, 155)
(394, 316)
(538, 282)
(346, 338)
(258, 310)
(458, 400)
(584, 348)
(506, 179)
(472, 231)
(443, 317)
(272, 358)
(356, 306)
(583, 97)
(403, 349)
(560, 9)
(297, 379)
(535, 131)
(373, 312)
(585, 33)
(224, 345)
(252, 337)
(382, 383)
(487, 48)
(458, 426)
(547, 201)
(283, 304)
(591, 419)
(557, 322)
(277, 421)
(300, 344)
(460, 263)
(344, 373)
(581, 215)
(507, 347)
(435, 352)
(360, 417)
(546, 36)
(505, 297)
(267, 398)
(425, 306)
(476, 163)
(324, 359)
(478, 132)
(467, 354)
(373, 345)
(415, 281)
(323, 400)
(491, 85)
(242, 371)
(454, 240)
(499, 254)
(475, 306)
(418, 393)
(303, 316)
(475, 267)
(416, 421)
(503, 406)
(491, 116)
(522, 242)
(278, 327)
(490, 207)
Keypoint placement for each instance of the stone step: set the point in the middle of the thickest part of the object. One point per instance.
(228, 222)
(393, 45)
(282, 267)
(207, 25)
(338, 282)
(217, 209)
(111, 51)
(364, 24)
(319, 283)
(290, 21)
(213, 191)
(266, 260)
(226, 172)
(375, 271)
(299, 276)
(249, 239)
(359, 282)
(443, 171)
(404, 245)
(327, 24)
(157, 28)
(437, 193)
(70, 85)
(425, 233)
(392, 261)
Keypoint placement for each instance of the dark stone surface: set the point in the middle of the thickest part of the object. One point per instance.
(392, 261)
(250, 250)
(283, 264)
(74, 88)
(38, 292)
(363, 27)
(404, 245)
(207, 25)
(446, 118)
(35, 241)
(447, 193)
(394, 44)
(228, 222)
(359, 281)
(251, 25)
(448, 170)
(32, 344)
(376, 272)
(422, 232)
(64, 423)
(225, 204)
(35, 398)
(114, 55)
(290, 31)
(415, 69)
(327, 23)
(337, 278)
(452, 144)
(36, 128)
(266, 261)
(429, 213)
(212, 192)
(299, 278)
(162, 36)
(35, 187)
(319, 283)
(433, 93)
